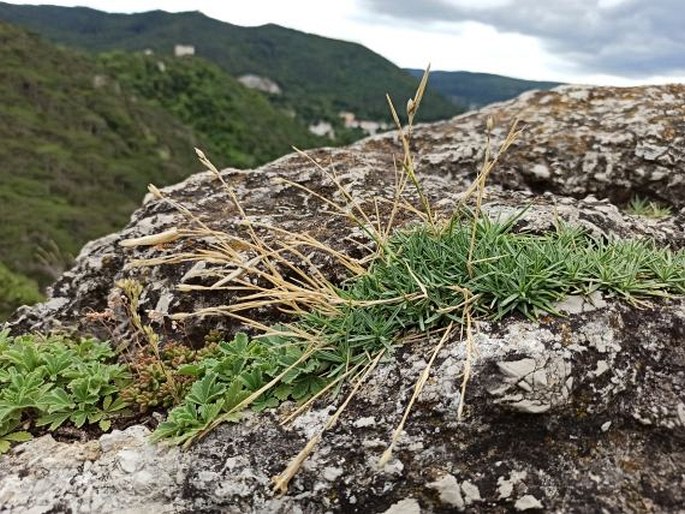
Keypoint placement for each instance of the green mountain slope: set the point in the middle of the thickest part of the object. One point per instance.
(82, 136)
(319, 76)
(237, 125)
(15, 290)
(76, 153)
(474, 90)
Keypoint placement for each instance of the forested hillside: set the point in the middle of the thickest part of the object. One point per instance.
(239, 125)
(82, 136)
(76, 153)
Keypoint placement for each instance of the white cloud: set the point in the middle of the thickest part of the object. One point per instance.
(628, 39)
(608, 4)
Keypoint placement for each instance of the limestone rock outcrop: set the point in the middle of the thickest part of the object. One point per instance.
(609, 142)
(565, 131)
(582, 413)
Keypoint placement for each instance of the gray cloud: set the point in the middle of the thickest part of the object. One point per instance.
(633, 39)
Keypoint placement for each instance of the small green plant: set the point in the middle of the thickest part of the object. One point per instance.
(53, 380)
(236, 370)
(651, 209)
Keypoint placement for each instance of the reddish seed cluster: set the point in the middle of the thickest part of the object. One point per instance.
(157, 383)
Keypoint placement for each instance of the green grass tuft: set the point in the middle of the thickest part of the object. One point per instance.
(413, 286)
(420, 282)
(650, 209)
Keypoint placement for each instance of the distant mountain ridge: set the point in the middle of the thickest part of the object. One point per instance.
(319, 77)
(473, 90)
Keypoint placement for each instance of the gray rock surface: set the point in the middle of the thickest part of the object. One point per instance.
(582, 413)
(579, 140)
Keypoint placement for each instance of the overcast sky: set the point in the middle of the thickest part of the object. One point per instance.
(617, 42)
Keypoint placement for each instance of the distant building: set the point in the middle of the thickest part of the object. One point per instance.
(322, 128)
(349, 119)
(184, 50)
(369, 127)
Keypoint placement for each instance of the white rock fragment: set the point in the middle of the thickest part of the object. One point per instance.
(406, 506)
(577, 304)
(235, 462)
(605, 426)
(531, 406)
(596, 300)
(541, 171)
(368, 421)
(394, 467)
(471, 492)
(311, 422)
(572, 304)
(448, 491)
(527, 502)
(602, 366)
(540, 378)
(523, 384)
(373, 443)
(506, 486)
(517, 369)
(123, 439)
